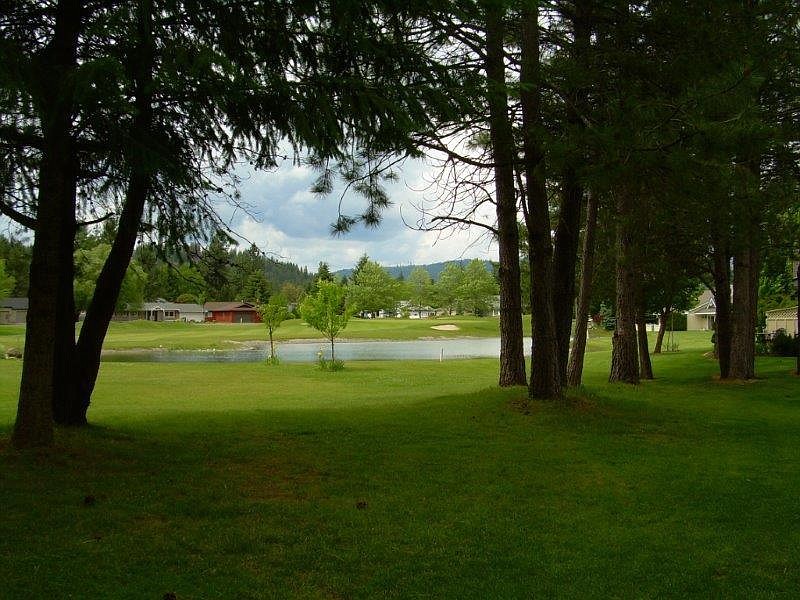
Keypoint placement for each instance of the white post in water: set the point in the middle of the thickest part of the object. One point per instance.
(441, 355)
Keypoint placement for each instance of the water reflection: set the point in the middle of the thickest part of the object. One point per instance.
(308, 351)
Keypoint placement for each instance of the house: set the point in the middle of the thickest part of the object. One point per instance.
(232, 312)
(161, 310)
(702, 316)
(13, 310)
(781, 318)
(421, 312)
(405, 308)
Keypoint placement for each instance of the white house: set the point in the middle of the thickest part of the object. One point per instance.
(702, 316)
(421, 312)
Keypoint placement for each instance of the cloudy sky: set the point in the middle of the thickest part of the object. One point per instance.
(290, 223)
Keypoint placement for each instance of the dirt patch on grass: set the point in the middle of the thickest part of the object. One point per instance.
(574, 402)
(732, 381)
(274, 479)
(446, 327)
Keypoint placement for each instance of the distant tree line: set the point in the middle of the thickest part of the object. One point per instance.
(459, 289)
(219, 272)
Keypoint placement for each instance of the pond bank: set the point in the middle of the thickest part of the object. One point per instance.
(308, 351)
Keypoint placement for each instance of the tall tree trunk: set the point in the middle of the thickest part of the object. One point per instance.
(109, 282)
(567, 234)
(565, 253)
(624, 359)
(745, 300)
(545, 381)
(645, 365)
(745, 280)
(50, 333)
(722, 300)
(797, 329)
(662, 328)
(512, 357)
(575, 367)
(103, 303)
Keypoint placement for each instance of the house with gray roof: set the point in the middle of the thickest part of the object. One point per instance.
(13, 310)
(161, 310)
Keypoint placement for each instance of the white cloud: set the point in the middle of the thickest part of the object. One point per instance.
(294, 225)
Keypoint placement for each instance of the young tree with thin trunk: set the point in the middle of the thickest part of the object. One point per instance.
(328, 312)
(273, 313)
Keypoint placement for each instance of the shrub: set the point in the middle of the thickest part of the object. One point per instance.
(326, 364)
(783, 344)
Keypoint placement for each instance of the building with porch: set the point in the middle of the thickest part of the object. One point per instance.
(703, 316)
(161, 310)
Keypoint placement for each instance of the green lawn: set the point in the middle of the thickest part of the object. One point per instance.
(189, 336)
(409, 480)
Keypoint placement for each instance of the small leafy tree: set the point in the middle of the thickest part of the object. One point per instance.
(327, 311)
(273, 313)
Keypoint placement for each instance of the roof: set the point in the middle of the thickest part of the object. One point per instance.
(706, 307)
(164, 305)
(782, 313)
(15, 303)
(230, 307)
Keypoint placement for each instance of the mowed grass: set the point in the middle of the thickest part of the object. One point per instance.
(190, 336)
(409, 480)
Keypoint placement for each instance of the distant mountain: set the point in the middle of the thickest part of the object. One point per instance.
(433, 269)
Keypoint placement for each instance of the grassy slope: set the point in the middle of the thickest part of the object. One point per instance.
(242, 481)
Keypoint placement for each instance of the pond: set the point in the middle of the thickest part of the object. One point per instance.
(308, 351)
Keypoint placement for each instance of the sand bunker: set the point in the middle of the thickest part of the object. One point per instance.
(445, 327)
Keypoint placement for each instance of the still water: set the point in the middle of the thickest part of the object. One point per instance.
(308, 351)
